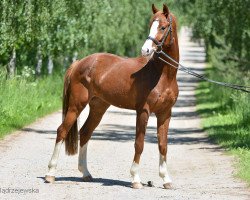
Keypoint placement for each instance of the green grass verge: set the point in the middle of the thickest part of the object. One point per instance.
(23, 100)
(226, 118)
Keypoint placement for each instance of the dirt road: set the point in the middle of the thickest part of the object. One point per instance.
(199, 169)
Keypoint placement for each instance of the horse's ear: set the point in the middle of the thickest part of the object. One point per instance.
(154, 9)
(165, 10)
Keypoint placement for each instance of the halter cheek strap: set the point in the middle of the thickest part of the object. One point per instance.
(169, 31)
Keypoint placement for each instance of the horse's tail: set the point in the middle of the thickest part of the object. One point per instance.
(71, 140)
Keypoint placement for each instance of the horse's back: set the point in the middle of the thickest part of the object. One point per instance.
(101, 64)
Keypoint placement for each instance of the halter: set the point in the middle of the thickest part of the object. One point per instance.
(160, 44)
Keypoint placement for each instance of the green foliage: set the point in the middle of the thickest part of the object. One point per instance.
(226, 118)
(243, 167)
(226, 113)
(223, 24)
(24, 99)
(61, 27)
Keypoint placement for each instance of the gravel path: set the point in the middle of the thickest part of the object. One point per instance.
(199, 169)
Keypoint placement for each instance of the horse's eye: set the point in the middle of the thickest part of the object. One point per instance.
(163, 28)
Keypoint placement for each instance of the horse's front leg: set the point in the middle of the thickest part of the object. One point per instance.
(141, 123)
(163, 120)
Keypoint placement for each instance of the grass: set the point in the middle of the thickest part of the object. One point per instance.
(226, 117)
(24, 99)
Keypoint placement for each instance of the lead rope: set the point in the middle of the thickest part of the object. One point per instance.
(189, 71)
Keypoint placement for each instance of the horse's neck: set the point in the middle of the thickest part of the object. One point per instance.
(168, 72)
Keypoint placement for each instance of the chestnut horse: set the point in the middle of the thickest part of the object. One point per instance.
(145, 84)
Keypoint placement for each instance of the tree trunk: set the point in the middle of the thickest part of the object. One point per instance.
(50, 65)
(11, 67)
(39, 61)
(65, 63)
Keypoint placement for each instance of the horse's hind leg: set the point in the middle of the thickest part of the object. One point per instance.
(97, 109)
(61, 134)
(78, 99)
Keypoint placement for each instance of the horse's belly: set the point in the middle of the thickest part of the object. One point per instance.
(121, 101)
(118, 94)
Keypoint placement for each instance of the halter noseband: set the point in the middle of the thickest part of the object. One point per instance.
(160, 44)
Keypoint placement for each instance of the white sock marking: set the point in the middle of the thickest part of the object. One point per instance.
(54, 159)
(134, 171)
(163, 172)
(82, 160)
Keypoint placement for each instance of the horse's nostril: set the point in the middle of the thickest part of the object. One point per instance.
(147, 50)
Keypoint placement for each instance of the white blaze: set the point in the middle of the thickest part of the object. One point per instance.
(147, 48)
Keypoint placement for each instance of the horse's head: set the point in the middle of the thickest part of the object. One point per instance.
(160, 35)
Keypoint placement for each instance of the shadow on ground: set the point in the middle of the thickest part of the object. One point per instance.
(103, 181)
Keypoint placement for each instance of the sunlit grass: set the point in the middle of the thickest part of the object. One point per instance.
(23, 100)
(226, 117)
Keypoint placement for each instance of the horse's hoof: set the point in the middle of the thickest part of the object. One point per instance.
(88, 178)
(49, 179)
(137, 185)
(167, 186)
